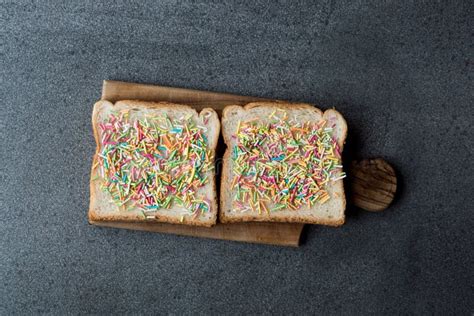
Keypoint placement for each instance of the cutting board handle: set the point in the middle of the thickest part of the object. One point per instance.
(373, 184)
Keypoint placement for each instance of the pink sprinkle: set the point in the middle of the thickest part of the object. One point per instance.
(269, 179)
(149, 156)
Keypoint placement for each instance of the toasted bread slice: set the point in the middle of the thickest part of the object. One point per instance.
(146, 203)
(327, 210)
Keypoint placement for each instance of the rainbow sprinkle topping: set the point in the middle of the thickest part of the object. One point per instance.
(154, 162)
(283, 164)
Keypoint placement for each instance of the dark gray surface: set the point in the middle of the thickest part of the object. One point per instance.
(402, 76)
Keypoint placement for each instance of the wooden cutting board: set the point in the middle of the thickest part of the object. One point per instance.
(372, 181)
(283, 234)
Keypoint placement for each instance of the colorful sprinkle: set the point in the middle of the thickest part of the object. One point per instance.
(285, 163)
(154, 163)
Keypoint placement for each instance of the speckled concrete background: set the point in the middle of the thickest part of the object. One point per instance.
(402, 74)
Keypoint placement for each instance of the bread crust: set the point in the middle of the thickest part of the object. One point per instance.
(93, 215)
(226, 160)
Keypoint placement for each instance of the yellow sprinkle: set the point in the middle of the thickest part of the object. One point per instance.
(302, 163)
(291, 154)
(265, 208)
(251, 205)
(233, 182)
(192, 175)
(95, 164)
(324, 199)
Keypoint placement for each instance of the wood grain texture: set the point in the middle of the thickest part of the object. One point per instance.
(282, 234)
(373, 183)
(118, 90)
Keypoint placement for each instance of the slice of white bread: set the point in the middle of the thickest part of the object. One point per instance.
(103, 208)
(330, 212)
